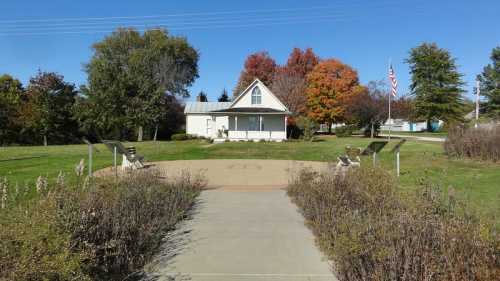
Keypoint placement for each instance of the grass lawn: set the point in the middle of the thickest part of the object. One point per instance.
(476, 181)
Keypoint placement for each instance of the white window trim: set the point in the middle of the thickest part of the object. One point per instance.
(254, 94)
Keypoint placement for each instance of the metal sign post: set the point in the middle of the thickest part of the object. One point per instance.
(114, 161)
(90, 160)
(396, 150)
(397, 162)
(373, 148)
(477, 103)
(91, 148)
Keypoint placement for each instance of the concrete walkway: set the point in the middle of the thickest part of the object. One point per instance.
(245, 227)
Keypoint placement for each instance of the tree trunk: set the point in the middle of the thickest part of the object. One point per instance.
(44, 140)
(139, 133)
(372, 131)
(329, 124)
(156, 132)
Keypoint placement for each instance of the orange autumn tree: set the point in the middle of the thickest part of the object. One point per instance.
(330, 86)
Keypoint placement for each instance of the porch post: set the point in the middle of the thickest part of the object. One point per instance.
(236, 122)
(286, 119)
(260, 123)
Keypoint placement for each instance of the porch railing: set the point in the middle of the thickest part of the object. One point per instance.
(256, 135)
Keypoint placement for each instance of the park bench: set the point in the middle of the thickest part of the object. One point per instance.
(351, 157)
(130, 159)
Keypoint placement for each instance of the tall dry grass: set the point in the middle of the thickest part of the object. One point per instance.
(372, 232)
(479, 143)
(102, 230)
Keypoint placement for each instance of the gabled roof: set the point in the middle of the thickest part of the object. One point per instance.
(261, 84)
(227, 107)
(205, 107)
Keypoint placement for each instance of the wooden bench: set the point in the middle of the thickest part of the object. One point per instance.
(130, 159)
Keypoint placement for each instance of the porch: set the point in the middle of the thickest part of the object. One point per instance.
(254, 127)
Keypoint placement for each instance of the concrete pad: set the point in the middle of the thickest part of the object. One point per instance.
(240, 174)
(245, 227)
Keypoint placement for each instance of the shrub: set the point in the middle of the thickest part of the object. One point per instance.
(372, 232)
(367, 131)
(344, 131)
(33, 247)
(105, 232)
(307, 126)
(180, 137)
(480, 143)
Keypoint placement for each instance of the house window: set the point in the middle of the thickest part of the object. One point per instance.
(256, 96)
(253, 123)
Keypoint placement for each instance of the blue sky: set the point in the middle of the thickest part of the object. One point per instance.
(362, 33)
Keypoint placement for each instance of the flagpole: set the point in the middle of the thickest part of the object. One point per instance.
(390, 94)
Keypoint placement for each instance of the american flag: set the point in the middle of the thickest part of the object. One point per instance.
(394, 82)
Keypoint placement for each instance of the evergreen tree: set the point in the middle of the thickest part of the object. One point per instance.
(224, 97)
(202, 97)
(436, 84)
(490, 84)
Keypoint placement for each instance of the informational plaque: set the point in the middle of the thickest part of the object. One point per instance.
(397, 147)
(374, 147)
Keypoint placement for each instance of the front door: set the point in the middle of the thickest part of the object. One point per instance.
(209, 127)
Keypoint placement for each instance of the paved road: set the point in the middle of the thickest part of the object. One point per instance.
(246, 228)
(432, 139)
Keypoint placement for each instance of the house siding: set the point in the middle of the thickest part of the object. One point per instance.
(196, 124)
(267, 100)
(207, 119)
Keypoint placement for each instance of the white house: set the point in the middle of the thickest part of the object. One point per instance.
(401, 125)
(256, 114)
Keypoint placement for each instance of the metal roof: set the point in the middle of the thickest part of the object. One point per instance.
(205, 107)
(251, 110)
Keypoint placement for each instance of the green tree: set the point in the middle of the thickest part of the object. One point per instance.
(202, 97)
(48, 109)
(129, 78)
(436, 84)
(11, 92)
(490, 84)
(369, 109)
(307, 126)
(224, 97)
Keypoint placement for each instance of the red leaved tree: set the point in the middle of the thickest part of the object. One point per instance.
(331, 86)
(301, 62)
(289, 83)
(258, 65)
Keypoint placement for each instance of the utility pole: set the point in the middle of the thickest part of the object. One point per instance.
(477, 103)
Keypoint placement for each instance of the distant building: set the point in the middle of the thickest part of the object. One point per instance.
(401, 125)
